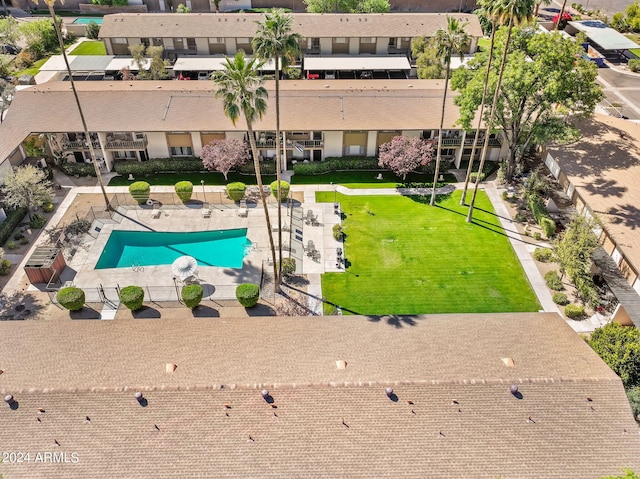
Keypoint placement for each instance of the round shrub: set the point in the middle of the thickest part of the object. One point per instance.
(184, 190)
(338, 234)
(288, 266)
(560, 298)
(192, 295)
(37, 221)
(574, 311)
(553, 281)
(548, 226)
(11, 245)
(140, 190)
(47, 207)
(71, 298)
(544, 255)
(5, 267)
(248, 294)
(132, 297)
(284, 189)
(236, 190)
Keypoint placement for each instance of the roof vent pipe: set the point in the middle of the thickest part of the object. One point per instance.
(514, 389)
(389, 391)
(9, 399)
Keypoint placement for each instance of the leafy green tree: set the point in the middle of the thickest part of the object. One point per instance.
(447, 42)
(429, 64)
(39, 36)
(239, 85)
(619, 347)
(347, 6)
(275, 40)
(182, 8)
(9, 30)
(633, 395)
(151, 56)
(7, 91)
(26, 187)
(374, 6)
(629, 474)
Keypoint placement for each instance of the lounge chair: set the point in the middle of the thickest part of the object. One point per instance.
(206, 212)
(156, 214)
(243, 210)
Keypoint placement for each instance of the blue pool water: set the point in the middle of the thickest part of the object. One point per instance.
(223, 248)
(87, 20)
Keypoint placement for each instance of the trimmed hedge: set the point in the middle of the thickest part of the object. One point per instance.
(184, 190)
(236, 190)
(192, 295)
(71, 298)
(80, 169)
(132, 297)
(160, 165)
(544, 255)
(140, 190)
(540, 213)
(560, 298)
(9, 224)
(248, 294)
(553, 281)
(267, 167)
(364, 163)
(284, 189)
(574, 311)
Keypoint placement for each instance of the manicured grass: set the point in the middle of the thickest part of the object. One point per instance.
(90, 47)
(164, 179)
(405, 257)
(364, 179)
(33, 70)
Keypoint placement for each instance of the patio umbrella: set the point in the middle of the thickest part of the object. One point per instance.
(184, 266)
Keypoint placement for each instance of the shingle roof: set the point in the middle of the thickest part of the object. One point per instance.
(453, 414)
(604, 167)
(190, 106)
(234, 25)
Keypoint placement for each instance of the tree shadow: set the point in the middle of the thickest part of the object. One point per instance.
(605, 188)
(627, 215)
(20, 305)
(395, 320)
(203, 311)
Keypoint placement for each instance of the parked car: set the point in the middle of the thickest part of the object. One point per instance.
(203, 75)
(9, 49)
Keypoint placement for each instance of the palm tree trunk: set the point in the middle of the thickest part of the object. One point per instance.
(256, 165)
(92, 153)
(439, 152)
(564, 5)
(463, 197)
(494, 104)
(278, 174)
(535, 12)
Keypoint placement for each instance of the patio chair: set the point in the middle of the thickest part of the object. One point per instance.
(156, 214)
(206, 213)
(243, 210)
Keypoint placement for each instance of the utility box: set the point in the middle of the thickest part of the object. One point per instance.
(45, 265)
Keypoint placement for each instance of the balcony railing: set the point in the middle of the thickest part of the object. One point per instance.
(271, 143)
(79, 145)
(125, 144)
(468, 141)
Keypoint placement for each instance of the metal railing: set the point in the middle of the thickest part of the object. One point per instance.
(125, 144)
(79, 145)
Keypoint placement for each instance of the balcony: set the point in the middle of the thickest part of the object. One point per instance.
(79, 145)
(126, 144)
(270, 144)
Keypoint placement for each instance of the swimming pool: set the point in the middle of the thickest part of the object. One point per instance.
(87, 20)
(222, 248)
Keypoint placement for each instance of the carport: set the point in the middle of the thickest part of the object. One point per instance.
(201, 66)
(360, 66)
(605, 37)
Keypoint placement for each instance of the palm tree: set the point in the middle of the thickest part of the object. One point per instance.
(485, 5)
(92, 153)
(274, 40)
(241, 90)
(516, 12)
(452, 40)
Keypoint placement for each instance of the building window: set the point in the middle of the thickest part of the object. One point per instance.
(119, 41)
(341, 40)
(215, 40)
(124, 155)
(368, 40)
(181, 151)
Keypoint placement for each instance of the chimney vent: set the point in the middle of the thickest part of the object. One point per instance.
(9, 399)
(389, 391)
(514, 389)
(265, 393)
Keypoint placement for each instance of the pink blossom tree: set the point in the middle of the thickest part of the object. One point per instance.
(403, 154)
(223, 155)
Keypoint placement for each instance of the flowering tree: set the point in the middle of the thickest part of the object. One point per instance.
(26, 187)
(222, 155)
(566, 17)
(403, 154)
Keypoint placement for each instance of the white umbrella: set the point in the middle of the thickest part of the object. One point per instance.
(184, 266)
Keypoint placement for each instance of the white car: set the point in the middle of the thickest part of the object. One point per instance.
(203, 76)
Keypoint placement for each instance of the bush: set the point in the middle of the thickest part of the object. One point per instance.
(248, 294)
(540, 213)
(24, 241)
(23, 60)
(553, 281)
(548, 226)
(236, 190)
(37, 221)
(336, 164)
(288, 266)
(338, 234)
(132, 297)
(505, 195)
(560, 298)
(140, 190)
(93, 30)
(544, 255)
(14, 218)
(18, 236)
(184, 190)
(574, 311)
(192, 295)
(5, 267)
(11, 245)
(80, 169)
(633, 395)
(520, 217)
(267, 167)
(634, 66)
(47, 207)
(160, 165)
(71, 298)
(284, 189)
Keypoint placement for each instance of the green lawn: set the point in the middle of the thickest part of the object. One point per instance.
(34, 69)
(483, 44)
(405, 257)
(636, 38)
(164, 179)
(90, 47)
